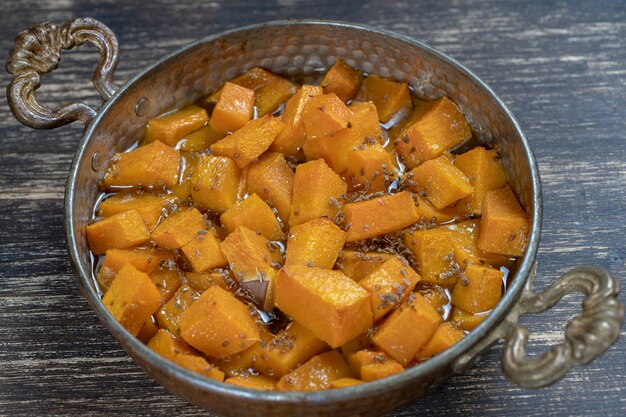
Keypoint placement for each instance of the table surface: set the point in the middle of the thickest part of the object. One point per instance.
(559, 66)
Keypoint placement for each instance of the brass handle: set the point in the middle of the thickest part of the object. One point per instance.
(37, 51)
(586, 336)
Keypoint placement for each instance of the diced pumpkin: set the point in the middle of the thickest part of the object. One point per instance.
(444, 338)
(189, 161)
(440, 181)
(439, 127)
(479, 290)
(218, 324)
(485, 172)
(327, 302)
(132, 298)
(167, 282)
(504, 226)
(255, 214)
(315, 243)
(200, 365)
(438, 297)
(201, 281)
(119, 231)
(388, 96)
(434, 254)
(215, 183)
(389, 284)
(397, 335)
(234, 107)
(200, 140)
(203, 252)
(316, 190)
(316, 373)
(147, 331)
(324, 115)
(291, 347)
(467, 321)
(465, 238)
(370, 168)
(289, 141)
(370, 365)
(249, 142)
(171, 127)
(342, 80)
(379, 216)
(357, 265)
(248, 253)
(272, 179)
(240, 363)
(179, 229)
(145, 260)
(145, 166)
(148, 205)
(430, 214)
(345, 382)
(270, 90)
(168, 316)
(360, 342)
(260, 382)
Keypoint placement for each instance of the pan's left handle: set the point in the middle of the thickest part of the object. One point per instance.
(37, 51)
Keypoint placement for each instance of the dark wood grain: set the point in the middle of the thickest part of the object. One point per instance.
(560, 66)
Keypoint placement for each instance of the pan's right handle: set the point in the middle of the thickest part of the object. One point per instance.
(37, 51)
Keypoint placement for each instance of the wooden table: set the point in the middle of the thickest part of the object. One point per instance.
(561, 67)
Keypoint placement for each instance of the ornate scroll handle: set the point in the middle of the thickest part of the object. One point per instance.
(37, 51)
(586, 336)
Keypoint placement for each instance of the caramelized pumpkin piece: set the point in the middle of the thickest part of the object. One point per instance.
(261, 382)
(171, 127)
(234, 107)
(168, 316)
(380, 215)
(467, 321)
(201, 281)
(148, 205)
(398, 337)
(249, 142)
(440, 181)
(389, 284)
(327, 302)
(370, 168)
(342, 80)
(345, 382)
(218, 324)
(255, 214)
(147, 331)
(504, 226)
(316, 190)
(179, 229)
(272, 180)
(167, 282)
(315, 243)
(430, 214)
(203, 252)
(372, 365)
(132, 298)
(145, 260)
(479, 290)
(270, 90)
(145, 166)
(357, 265)
(388, 96)
(434, 254)
(465, 239)
(215, 183)
(485, 173)
(119, 231)
(439, 127)
(316, 374)
(200, 140)
(324, 115)
(444, 338)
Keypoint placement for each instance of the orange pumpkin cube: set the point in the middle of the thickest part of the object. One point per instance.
(444, 338)
(358, 265)
(145, 166)
(389, 284)
(397, 335)
(179, 228)
(360, 342)
(440, 126)
(388, 96)
(203, 252)
(345, 382)
(272, 179)
(167, 282)
(324, 115)
(132, 298)
(289, 141)
(270, 90)
(215, 183)
(233, 109)
(330, 304)
(218, 324)
(315, 243)
(370, 168)
(249, 142)
(316, 373)
(145, 260)
(434, 254)
(248, 253)
(437, 296)
(431, 214)
(485, 172)
(148, 205)
(199, 365)
(440, 181)
(370, 365)
(261, 382)
(379, 216)
(255, 214)
(171, 127)
(182, 190)
(119, 231)
(479, 290)
(342, 80)
(316, 190)
(168, 316)
(201, 281)
(465, 240)
(200, 140)
(467, 321)
(147, 331)
(504, 226)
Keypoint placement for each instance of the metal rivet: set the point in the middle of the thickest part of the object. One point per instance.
(95, 161)
(142, 107)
